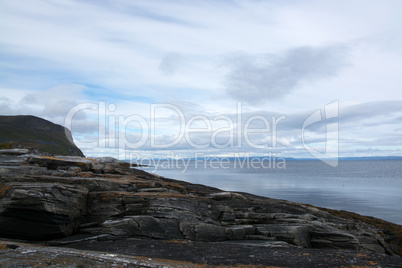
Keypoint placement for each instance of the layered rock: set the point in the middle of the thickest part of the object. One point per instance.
(41, 210)
(50, 197)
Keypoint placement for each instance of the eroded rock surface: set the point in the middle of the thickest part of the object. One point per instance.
(136, 252)
(45, 198)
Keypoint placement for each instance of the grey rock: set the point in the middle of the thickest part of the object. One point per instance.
(227, 196)
(41, 210)
(121, 227)
(260, 243)
(106, 159)
(61, 161)
(104, 205)
(157, 228)
(48, 197)
(14, 151)
(239, 232)
(73, 170)
(188, 230)
(334, 240)
(210, 232)
(108, 168)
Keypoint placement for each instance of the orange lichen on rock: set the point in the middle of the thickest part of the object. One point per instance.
(4, 189)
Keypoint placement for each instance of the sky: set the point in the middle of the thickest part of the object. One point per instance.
(208, 78)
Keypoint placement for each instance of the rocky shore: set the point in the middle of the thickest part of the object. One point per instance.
(102, 204)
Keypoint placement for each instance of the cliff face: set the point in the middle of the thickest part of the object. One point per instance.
(36, 134)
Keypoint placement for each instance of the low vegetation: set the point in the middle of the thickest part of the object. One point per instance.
(37, 135)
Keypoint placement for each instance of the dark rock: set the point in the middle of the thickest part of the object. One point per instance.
(210, 232)
(334, 240)
(41, 210)
(116, 251)
(104, 205)
(188, 230)
(157, 228)
(46, 197)
(134, 209)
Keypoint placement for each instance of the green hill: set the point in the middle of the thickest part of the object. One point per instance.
(36, 134)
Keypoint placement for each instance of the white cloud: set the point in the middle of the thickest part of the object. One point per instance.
(52, 104)
(56, 54)
(170, 63)
(255, 79)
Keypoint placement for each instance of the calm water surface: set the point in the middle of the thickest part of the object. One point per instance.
(369, 187)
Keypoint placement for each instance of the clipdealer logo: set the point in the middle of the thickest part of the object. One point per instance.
(236, 130)
(330, 148)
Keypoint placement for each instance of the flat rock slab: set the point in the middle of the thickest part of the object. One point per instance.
(232, 255)
(14, 151)
(61, 161)
(14, 254)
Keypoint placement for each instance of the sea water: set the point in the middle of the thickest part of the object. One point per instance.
(368, 187)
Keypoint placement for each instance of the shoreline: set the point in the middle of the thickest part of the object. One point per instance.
(355, 187)
(103, 201)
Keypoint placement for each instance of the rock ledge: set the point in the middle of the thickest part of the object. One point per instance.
(47, 198)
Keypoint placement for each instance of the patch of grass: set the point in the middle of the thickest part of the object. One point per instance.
(31, 132)
(8, 145)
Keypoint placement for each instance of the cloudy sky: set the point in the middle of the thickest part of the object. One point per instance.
(294, 78)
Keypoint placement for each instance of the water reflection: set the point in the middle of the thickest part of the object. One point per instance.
(367, 187)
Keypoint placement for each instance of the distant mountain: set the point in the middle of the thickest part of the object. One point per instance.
(279, 158)
(349, 158)
(36, 134)
(372, 158)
